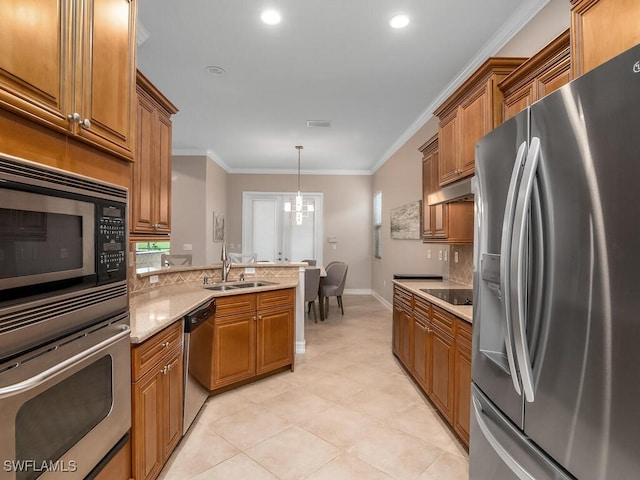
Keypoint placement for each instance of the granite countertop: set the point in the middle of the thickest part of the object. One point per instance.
(463, 311)
(153, 310)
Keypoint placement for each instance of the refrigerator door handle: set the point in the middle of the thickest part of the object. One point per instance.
(506, 457)
(505, 261)
(518, 267)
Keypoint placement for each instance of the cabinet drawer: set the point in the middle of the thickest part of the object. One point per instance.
(464, 335)
(235, 304)
(443, 320)
(151, 352)
(400, 295)
(422, 306)
(276, 298)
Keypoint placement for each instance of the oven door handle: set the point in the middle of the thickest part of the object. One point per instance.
(42, 377)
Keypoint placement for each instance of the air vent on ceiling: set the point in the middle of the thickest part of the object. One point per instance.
(318, 123)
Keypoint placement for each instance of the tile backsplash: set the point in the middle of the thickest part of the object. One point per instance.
(462, 271)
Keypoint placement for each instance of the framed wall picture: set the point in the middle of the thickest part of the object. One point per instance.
(405, 221)
(218, 227)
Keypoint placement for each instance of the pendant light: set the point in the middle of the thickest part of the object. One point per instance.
(300, 209)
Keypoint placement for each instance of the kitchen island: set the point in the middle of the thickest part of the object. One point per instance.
(249, 335)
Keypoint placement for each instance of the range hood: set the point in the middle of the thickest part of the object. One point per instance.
(455, 192)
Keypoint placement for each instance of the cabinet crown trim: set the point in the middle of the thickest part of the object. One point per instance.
(554, 51)
(157, 95)
(492, 66)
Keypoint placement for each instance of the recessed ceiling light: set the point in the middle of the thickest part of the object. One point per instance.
(213, 70)
(399, 21)
(270, 17)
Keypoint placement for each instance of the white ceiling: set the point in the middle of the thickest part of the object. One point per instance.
(335, 60)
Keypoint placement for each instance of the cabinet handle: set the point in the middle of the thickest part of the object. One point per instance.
(259, 317)
(74, 117)
(164, 370)
(254, 319)
(165, 345)
(168, 367)
(85, 123)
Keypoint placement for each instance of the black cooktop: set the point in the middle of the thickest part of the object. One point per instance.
(455, 296)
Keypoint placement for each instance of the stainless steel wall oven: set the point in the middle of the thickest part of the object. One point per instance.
(65, 381)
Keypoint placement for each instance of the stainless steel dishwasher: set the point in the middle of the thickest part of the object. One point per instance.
(194, 394)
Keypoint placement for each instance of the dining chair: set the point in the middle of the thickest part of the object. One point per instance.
(333, 284)
(167, 260)
(311, 284)
(311, 263)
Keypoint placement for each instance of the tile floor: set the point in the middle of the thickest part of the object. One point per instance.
(348, 411)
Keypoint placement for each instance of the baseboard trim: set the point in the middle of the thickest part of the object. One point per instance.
(382, 300)
(357, 291)
(301, 347)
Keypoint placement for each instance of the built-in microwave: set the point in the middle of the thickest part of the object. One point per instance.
(63, 252)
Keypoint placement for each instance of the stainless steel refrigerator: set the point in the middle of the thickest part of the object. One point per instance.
(556, 346)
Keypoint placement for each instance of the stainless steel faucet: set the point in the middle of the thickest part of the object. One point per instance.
(226, 262)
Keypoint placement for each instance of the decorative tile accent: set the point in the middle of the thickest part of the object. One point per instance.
(172, 275)
(462, 271)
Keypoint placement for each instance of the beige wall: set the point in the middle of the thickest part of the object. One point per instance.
(347, 203)
(400, 181)
(199, 188)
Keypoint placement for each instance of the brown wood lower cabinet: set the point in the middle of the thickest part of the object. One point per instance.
(249, 335)
(157, 391)
(461, 415)
(439, 357)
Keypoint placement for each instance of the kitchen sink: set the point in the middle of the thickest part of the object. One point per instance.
(252, 284)
(233, 286)
(220, 288)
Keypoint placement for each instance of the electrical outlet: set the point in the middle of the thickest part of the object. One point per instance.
(446, 256)
(250, 270)
(384, 283)
(153, 279)
(187, 247)
(455, 257)
(440, 255)
(429, 253)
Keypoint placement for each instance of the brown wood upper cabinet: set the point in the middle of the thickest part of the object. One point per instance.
(151, 173)
(434, 218)
(71, 67)
(451, 222)
(546, 71)
(471, 112)
(600, 30)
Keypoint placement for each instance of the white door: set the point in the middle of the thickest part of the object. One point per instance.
(272, 234)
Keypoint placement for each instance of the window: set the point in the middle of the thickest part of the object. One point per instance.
(377, 225)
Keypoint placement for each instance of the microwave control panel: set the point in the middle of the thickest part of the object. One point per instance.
(111, 240)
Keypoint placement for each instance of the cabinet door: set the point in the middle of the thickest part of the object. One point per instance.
(35, 60)
(105, 79)
(234, 351)
(275, 339)
(475, 122)
(518, 101)
(462, 393)
(442, 373)
(439, 225)
(554, 78)
(422, 353)
(173, 396)
(397, 321)
(162, 197)
(449, 149)
(142, 211)
(600, 30)
(406, 330)
(148, 415)
(427, 219)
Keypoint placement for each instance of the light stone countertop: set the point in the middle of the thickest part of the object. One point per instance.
(463, 311)
(153, 310)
